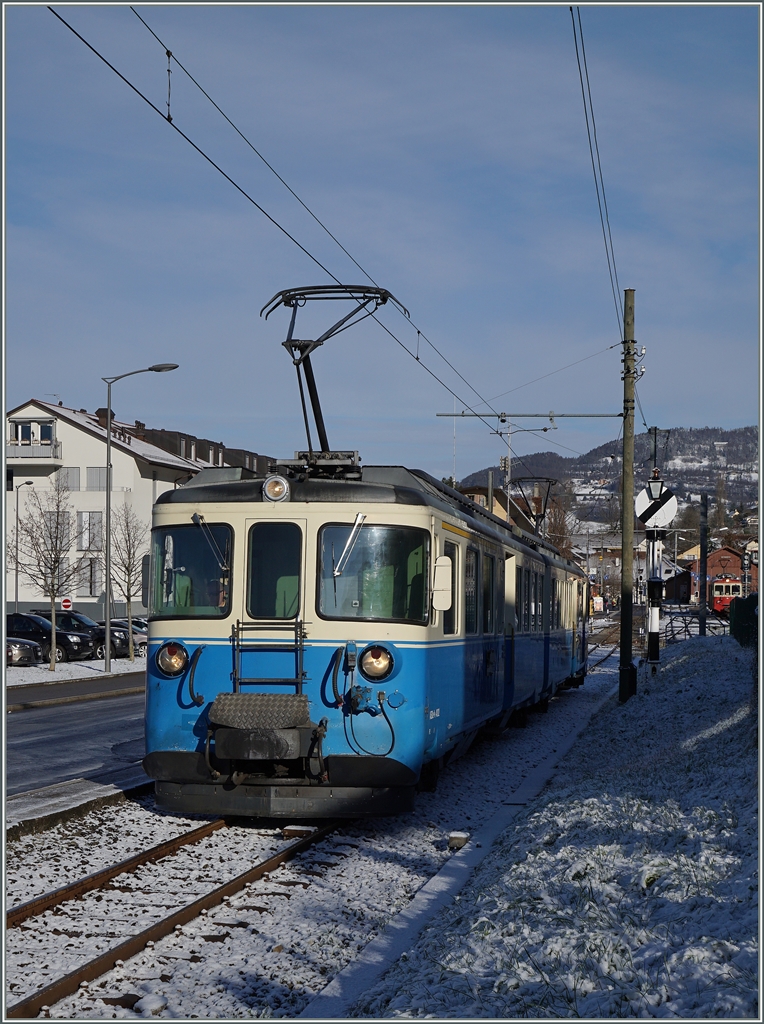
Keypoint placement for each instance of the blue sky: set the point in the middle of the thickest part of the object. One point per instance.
(446, 148)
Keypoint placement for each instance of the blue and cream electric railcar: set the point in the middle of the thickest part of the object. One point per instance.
(321, 645)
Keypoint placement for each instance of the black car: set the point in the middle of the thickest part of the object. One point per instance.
(70, 645)
(22, 652)
(84, 624)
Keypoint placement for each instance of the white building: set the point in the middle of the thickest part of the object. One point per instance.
(43, 440)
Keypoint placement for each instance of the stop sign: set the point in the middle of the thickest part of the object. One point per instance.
(66, 604)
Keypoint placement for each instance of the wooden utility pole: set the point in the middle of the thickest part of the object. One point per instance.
(627, 677)
(703, 567)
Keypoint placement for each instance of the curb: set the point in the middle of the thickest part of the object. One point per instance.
(40, 809)
(401, 932)
(51, 701)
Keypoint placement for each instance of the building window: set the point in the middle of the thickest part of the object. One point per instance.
(96, 478)
(69, 476)
(90, 531)
(57, 532)
(46, 433)
(90, 579)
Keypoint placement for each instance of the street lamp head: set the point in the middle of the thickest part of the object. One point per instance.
(163, 367)
(29, 483)
(654, 488)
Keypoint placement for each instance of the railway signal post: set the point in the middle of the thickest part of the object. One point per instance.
(656, 507)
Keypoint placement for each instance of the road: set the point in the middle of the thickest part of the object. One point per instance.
(56, 689)
(90, 739)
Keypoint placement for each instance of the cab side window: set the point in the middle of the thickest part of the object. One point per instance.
(449, 616)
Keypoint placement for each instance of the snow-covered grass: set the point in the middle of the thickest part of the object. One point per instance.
(630, 886)
(35, 674)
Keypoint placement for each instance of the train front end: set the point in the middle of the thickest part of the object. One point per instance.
(287, 656)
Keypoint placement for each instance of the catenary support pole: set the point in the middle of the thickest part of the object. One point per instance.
(107, 609)
(703, 569)
(627, 676)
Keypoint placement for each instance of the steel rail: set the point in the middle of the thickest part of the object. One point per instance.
(69, 984)
(40, 904)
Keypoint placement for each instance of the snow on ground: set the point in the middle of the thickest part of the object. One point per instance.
(282, 951)
(35, 674)
(629, 887)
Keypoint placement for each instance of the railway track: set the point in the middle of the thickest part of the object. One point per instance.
(98, 965)
(610, 637)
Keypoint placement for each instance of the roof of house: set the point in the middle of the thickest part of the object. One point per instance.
(127, 442)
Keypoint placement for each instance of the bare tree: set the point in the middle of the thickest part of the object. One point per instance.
(45, 541)
(558, 525)
(128, 546)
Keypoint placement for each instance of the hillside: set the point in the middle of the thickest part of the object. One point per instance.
(691, 460)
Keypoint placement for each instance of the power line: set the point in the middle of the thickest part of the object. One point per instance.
(641, 413)
(420, 333)
(599, 182)
(553, 372)
(267, 215)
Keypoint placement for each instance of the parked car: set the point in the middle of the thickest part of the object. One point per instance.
(140, 635)
(70, 645)
(84, 624)
(22, 652)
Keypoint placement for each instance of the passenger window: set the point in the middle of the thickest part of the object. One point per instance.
(533, 602)
(470, 591)
(489, 591)
(526, 600)
(273, 570)
(449, 616)
(499, 591)
(519, 598)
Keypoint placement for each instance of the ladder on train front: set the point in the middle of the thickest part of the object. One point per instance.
(244, 641)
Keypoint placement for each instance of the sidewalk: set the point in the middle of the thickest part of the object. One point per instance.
(70, 671)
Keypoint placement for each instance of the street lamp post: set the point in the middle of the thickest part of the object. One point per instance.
(157, 368)
(26, 483)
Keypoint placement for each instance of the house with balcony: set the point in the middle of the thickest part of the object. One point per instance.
(47, 442)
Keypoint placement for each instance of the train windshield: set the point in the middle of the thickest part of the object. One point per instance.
(190, 571)
(382, 576)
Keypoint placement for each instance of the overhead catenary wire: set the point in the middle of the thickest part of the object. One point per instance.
(268, 216)
(599, 182)
(305, 206)
(558, 370)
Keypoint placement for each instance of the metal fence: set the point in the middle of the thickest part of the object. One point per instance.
(683, 623)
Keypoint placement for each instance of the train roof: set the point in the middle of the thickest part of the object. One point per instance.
(377, 484)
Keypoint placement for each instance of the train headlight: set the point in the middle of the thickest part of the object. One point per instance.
(376, 662)
(276, 488)
(172, 658)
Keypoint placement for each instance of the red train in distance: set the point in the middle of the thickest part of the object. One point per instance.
(723, 589)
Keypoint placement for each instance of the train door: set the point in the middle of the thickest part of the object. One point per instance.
(444, 692)
(511, 576)
(269, 642)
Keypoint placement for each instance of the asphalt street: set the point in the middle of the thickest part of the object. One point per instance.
(89, 739)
